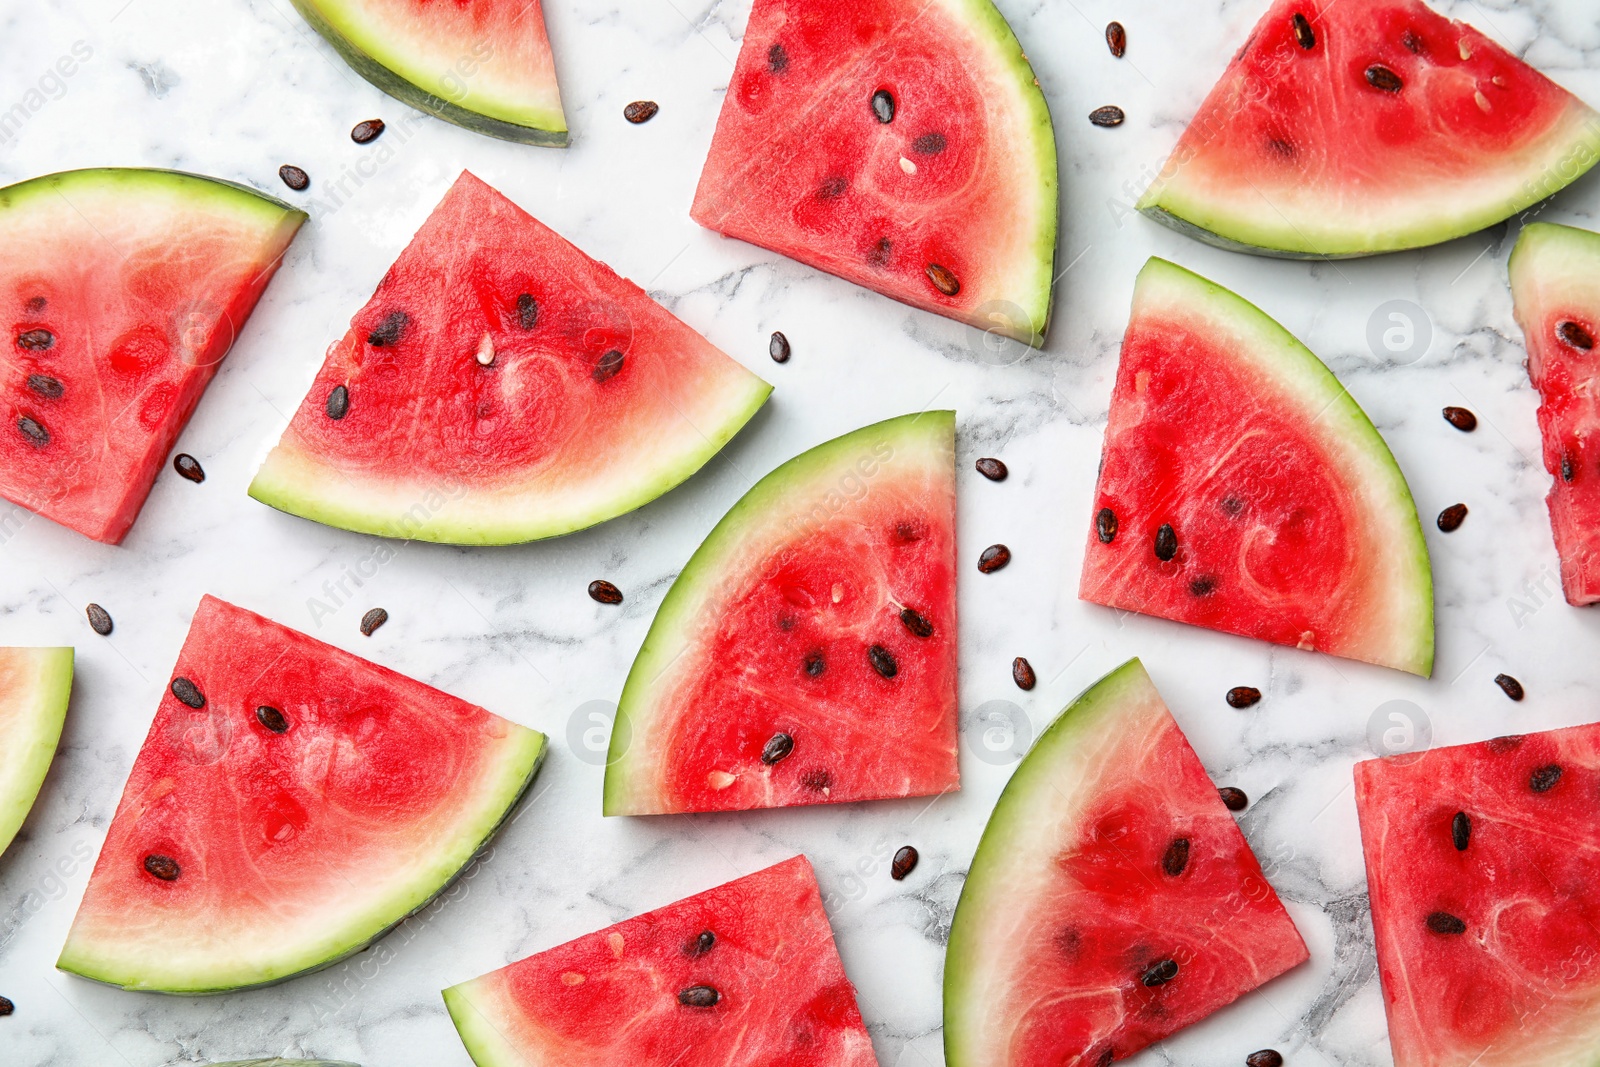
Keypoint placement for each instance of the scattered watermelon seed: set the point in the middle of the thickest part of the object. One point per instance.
(162, 867)
(777, 749)
(1176, 858)
(338, 402)
(367, 131)
(777, 59)
(609, 366)
(1382, 78)
(1303, 34)
(907, 531)
(1461, 419)
(188, 692)
(905, 861)
(36, 304)
(992, 469)
(36, 340)
(1233, 799)
(1243, 696)
(883, 106)
(1022, 674)
(703, 943)
(485, 353)
(993, 558)
(1116, 39)
(294, 177)
(1161, 973)
(778, 347)
(372, 620)
(915, 623)
(1510, 686)
(604, 592)
(817, 780)
(1503, 744)
(1545, 778)
(6, 1007)
(641, 111)
(1569, 466)
(1442, 922)
(1107, 1054)
(816, 663)
(1232, 507)
(1412, 42)
(883, 661)
(1166, 542)
(1267, 1057)
(1451, 518)
(943, 279)
(1105, 525)
(699, 996)
(33, 431)
(45, 386)
(1461, 831)
(879, 256)
(929, 144)
(272, 719)
(1281, 147)
(99, 619)
(189, 467)
(1110, 115)
(527, 311)
(1572, 333)
(1203, 586)
(390, 330)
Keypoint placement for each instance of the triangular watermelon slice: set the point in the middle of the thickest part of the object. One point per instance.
(807, 652)
(1242, 489)
(501, 386)
(746, 973)
(1483, 867)
(291, 803)
(482, 65)
(35, 684)
(121, 291)
(903, 145)
(1362, 126)
(1112, 900)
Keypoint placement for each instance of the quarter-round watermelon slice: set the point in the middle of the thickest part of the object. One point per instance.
(746, 973)
(1483, 867)
(903, 145)
(121, 291)
(1555, 284)
(1112, 900)
(1362, 126)
(35, 684)
(501, 386)
(482, 64)
(807, 652)
(291, 803)
(1242, 489)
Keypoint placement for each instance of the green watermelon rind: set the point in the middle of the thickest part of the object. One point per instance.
(44, 716)
(519, 767)
(196, 188)
(486, 1045)
(780, 492)
(536, 126)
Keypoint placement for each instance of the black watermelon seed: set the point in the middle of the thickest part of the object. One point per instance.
(1461, 831)
(1573, 333)
(1022, 674)
(1382, 78)
(1412, 42)
(1510, 686)
(817, 780)
(882, 661)
(943, 279)
(832, 188)
(6, 1007)
(905, 861)
(915, 623)
(1232, 507)
(929, 144)
(1176, 859)
(294, 177)
(36, 304)
(99, 620)
(816, 663)
(777, 59)
(704, 941)
(527, 311)
(272, 719)
(1569, 466)
(162, 867)
(778, 748)
(609, 366)
(1107, 1054)
(338, 402)
(1303, 34)
(1205, 585)
(1503, 744)
(1166, 542)
(390, 330)
(189, 467)
(36, 340)
(1233, 799)
(778, 347)
(879, 256)
(699, 996)
(641, 111)
(1243, 696)
(188, 692)
(1545, 778)
(1451, 518)
(1281, 147)
(1461, 419)
(1116, 39)
(1267, 1057)
(367, 131)
(992, 469)
(46, 386)
(883, 105)
(993, 558)
(1442, 922)
(604, 592)
(1160, 973)
(907, 531)
(372, 620)
(1110, 115)
(1105, 525)
(33, 431)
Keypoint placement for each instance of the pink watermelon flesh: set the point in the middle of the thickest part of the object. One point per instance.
(312, 802)
(121, 291)
(773, 992)
(1483, 863)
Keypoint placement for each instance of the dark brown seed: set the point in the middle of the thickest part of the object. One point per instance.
(188, 692)
(1442, 922)
(366, 131)
(1107, 1054)
(641, 111)
(929, 144)
(1160, 973)
(993, 558)
(914, 622)
(1116, 39)
(704, 941)
(832, 188)
(36, 304)
(33, 431)
(1205, 585)
(1243, 696)
(1022, 674)
(778, 347)
(777, 749)
(36, 340)
(777, 59)
(99, 619)
(992, 469)
(1569, 466)
(1545, 778)
(1267, 1057)
(1233, 799)
(527, 311)
(189, 467)
(390, 330)
(1412, 42)
(1110, 115)
(906, 531)
(45, 386)
(294, 177)
(883, 661)
(1176, 858)
(1382, 78)
(1461, 419)
(1303, 34)
(883, 105)
(1451, 518)
(879, 256)
(338, 402)
(1105, 525)
(1166, 542)
(1461, 831)
(1281, 147)
(816, 663)
(372, 620)
(609, 366)
(1232, 507)
(1510, 686)
(162, 867)
(1503, 744)
(817, 780)
(6, 1007)
(272, 719)
(943, 279)
(1574, 334)
(604, 592)
(699, 996)
(905, 861)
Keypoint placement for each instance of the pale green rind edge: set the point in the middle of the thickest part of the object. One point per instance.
(404, 901)
(546, 129)
(486, 1045)
(99, 179)
(767, 496)
(49, 698)
(1537, 238)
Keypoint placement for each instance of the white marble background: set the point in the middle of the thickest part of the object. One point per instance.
(234, 89)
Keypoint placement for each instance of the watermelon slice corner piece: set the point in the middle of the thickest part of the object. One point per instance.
(1482, 866)
(1244, 490)
(1112, 900)
(122, 289)
(744, 973)
(501, 386)
(904, 146)
(1555, 289)
(806, 654)
(484, 66)
(290, 805)
(35, 685)
(1366, 126)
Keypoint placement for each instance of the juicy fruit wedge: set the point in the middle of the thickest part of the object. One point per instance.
(1555, 283)
(904, 146)
(501, 386)
(291, 803)
(807, 652)
(478, 64)
(1112, 900)
(1242, 489)
(744, 973)
(35, 684)
(120, 291)
(1482, 867)
(1368, 126)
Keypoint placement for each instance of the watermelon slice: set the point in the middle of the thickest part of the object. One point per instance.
(34, 686)
(479, 64)
(807, 652)
(1555, 283)
(291, 803)
(1243, 489)
(1112, 900)
(501, 386)
(1344, 129)
(745, 973)
(1483, 863)
(902, 145)
(122, 291)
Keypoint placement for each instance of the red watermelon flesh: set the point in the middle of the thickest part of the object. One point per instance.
(754, 959)
(1242, 489)
(121, 292)
(310, 803)
(949, 205)
(1483, 863)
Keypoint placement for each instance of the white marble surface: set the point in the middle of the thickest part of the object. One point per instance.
(236, 88)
